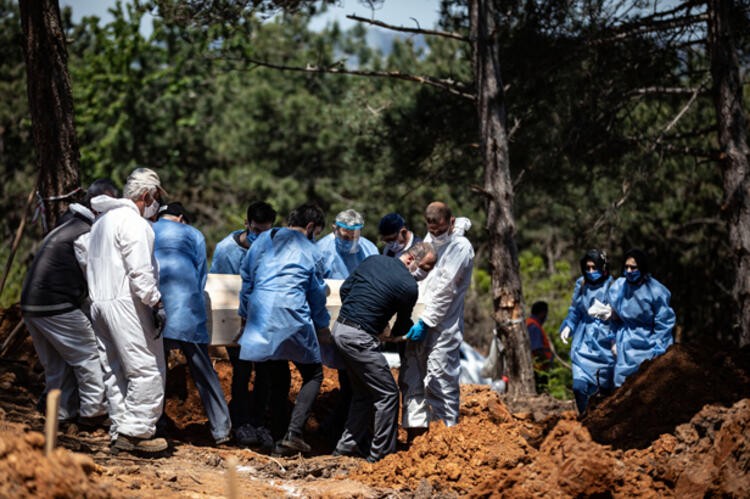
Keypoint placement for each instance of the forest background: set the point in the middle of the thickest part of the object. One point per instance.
(612, 135)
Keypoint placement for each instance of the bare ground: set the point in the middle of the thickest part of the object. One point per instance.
(677, 442)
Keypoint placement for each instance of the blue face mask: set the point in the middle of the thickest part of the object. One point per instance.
(251, 237)
(633, 276)
(593, 276)
(346, 246)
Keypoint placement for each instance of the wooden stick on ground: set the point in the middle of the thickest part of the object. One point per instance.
(233, 489)
(50, 425)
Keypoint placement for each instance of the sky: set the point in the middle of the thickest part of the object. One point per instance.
(396, 12)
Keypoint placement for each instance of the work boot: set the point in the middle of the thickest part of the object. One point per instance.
(265, 439)
(246, 435)
(135, 444)
(223, 440)
(291, 444)
(93, 423)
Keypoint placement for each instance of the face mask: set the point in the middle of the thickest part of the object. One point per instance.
(418, 274)
(441, 240)
(345, 246)
(394, 247)
(633, 276)
(151, 210)
(251, 236)
(593, 276)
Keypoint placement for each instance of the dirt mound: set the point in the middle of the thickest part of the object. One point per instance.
(668, 391)
(570, 464)
(457, 458)
(26, 472)
(707, 457)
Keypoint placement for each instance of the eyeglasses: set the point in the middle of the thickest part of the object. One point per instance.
(631, 267)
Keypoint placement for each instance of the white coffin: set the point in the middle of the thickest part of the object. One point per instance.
(222, 302)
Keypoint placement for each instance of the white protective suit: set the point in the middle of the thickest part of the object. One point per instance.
(431, 368)
(123, 278)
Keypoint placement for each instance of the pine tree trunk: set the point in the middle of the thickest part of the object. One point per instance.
(50, 104)
(732, 134)
(505, 269)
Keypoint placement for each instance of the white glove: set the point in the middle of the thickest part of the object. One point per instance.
(461, 226)
(565, 335)
(600, 311)
(614, 349)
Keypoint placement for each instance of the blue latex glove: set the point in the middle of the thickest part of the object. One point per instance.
(417, 331)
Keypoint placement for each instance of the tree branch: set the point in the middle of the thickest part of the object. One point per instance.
(625, 32)
(447, 85)
(416, 31)
(661, 91)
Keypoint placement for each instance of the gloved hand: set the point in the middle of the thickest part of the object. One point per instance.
(160, 319)
(417, 331)
(565, 335)
(600, 311)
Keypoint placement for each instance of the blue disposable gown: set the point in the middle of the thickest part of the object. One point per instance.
(591, 350)
(283, 298)
(644, 328)
(339, 266)
(180, 251)
(227, 255)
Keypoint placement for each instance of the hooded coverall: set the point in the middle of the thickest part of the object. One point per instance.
(123, 286)
(431, 368)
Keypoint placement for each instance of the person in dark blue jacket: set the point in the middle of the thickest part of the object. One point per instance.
(180, 251)
(641, 316)
(591, 351)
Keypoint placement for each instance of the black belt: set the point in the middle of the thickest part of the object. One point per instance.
(349, 322)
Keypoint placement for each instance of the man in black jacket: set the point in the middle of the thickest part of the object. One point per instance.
(53, 301)
(380, 287)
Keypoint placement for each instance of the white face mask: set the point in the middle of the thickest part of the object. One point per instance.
(151, 210)
(441, 240)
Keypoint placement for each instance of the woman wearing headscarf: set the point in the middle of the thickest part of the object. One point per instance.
(641, 316)
(591, 351)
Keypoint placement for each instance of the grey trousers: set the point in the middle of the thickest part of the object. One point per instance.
(66, 346)
(374, 397)
(207, 382)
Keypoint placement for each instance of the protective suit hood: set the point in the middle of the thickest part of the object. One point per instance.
(106, 203)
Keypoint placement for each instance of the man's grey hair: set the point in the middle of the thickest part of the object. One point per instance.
(140, 181)
(420, 250)
(350, 217)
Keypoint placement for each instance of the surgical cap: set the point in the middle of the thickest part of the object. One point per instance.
(390, 224)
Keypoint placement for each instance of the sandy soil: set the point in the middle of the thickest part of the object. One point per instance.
(678, 428)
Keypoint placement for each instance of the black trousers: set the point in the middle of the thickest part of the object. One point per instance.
(276, 380)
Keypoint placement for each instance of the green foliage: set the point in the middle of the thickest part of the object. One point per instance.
(555, 286)
(223, 131)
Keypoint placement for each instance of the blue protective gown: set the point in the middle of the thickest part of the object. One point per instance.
(228, 254)
(339, 266)
(180, 251)
(644, 328)
(283, 298)
(591, 350)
